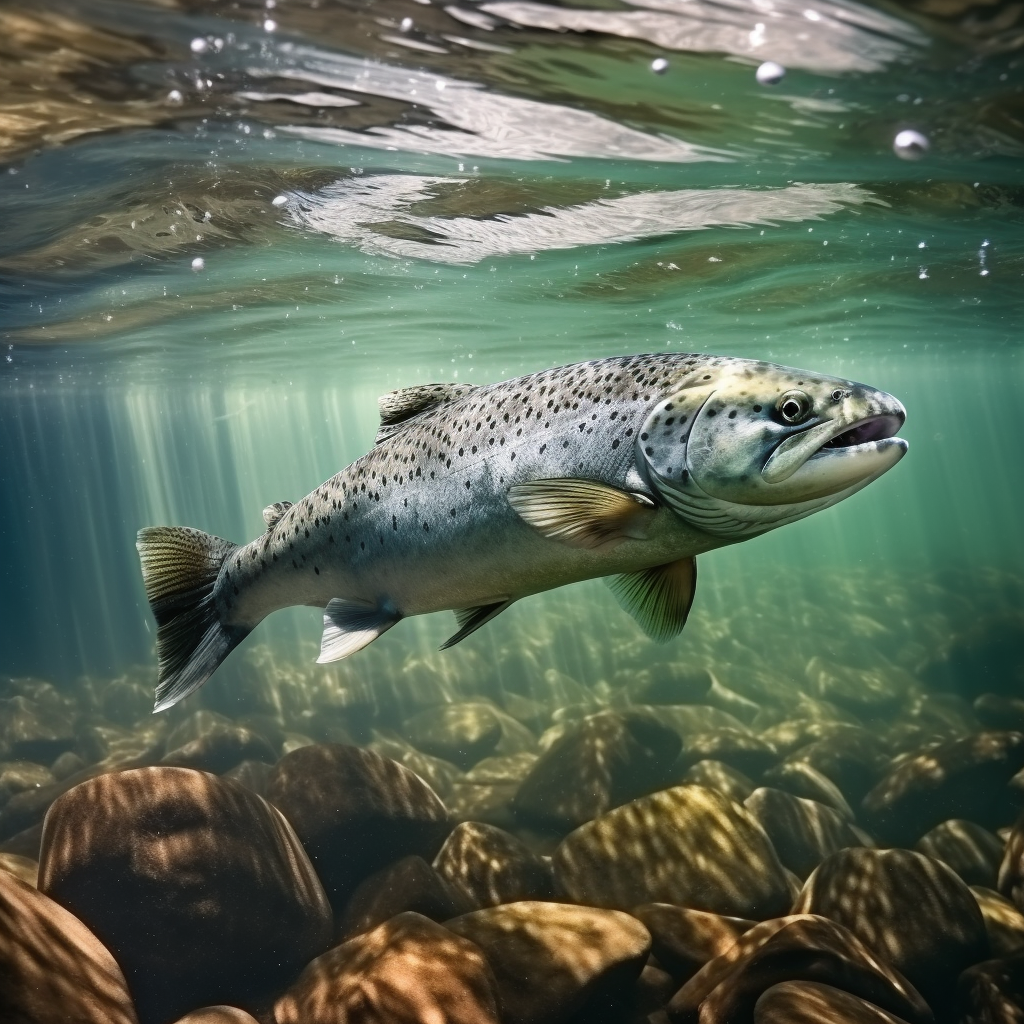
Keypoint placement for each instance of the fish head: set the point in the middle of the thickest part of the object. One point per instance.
(745, 446)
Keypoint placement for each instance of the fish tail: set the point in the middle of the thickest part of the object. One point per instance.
(180, 567)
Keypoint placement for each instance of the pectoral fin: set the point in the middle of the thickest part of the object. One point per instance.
(582, 513)
(471, 619)
(349, 626)
(659, 598)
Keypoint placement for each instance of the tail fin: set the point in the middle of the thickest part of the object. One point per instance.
(179, 569)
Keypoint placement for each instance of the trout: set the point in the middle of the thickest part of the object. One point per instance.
(473, 497)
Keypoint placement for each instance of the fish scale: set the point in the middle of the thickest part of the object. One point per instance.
(475, 497)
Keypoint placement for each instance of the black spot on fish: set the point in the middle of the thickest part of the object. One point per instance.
(732, 415)
(643, 436)
(316, 570)
(757, 408)
(306, 532)
(615, 443)
(649, 450)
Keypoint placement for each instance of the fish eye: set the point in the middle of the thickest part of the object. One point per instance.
(794, 406)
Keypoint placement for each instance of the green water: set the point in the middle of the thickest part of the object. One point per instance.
(467, 213)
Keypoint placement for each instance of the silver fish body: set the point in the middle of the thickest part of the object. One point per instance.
(475, 497)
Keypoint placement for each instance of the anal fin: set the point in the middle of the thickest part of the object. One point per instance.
(582, 513)
(349, 626)
(471, 619)
(658, 598)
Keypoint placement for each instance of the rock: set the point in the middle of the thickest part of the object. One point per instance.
(24, 868)
(214, 866)
(52, 968)
(491, 804)
(68, 764)
(720, 696)
(870, 692)
(24, 843)
(218, 1015)
(598, 763)
(984, 656)
(808, 1002)
(791, 734)
(997, 712)
(535, 715)
(850, 760)
(683, 941)
(687, 845)
(1010, 881)
(737, 748)
(408, 970)
(963, 778)
(355, 812)
(650, 995)
(692, 719)
(33, 732)
(17, 776)
(971, 851)
(551, 960)
(669, 684)
(912, 910)
(126, 701)
(253, 775)
(508, 770)
(492, 867)
(213, 743)
(467, 733)
(410, 884)
(721, 777)
(993, 992)
(437, 773)
(1003, 921)
(803, 832)
(726, 990)
(804, 780)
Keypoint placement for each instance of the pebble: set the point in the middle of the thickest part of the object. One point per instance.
(738, 748)
(971, 851)
(804, 780)
(810, 1002)
(213, 865)
(993, 992)
(21, 867)
(551, 960)
(721, 777)
(686, 845)
(1010, 880)
(408, 970)
(217, 1015)
(355, 812)
(1003, 921)
(912, 910)
(464, 734)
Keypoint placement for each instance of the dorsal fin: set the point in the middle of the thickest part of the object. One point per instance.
(272, 513)
(401, 405)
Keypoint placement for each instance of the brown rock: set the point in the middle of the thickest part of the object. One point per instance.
(971, 851)
(492, 867)
(1011, 870)
(802, 949)
(962, 778)
(687, 845)
(803, 832)
(596, 764)
(852, 759)
(21, 867)
(551, 960)
(721, 777)
(355, 812)
(808, 1002)
(1003, 922)
(993, 992)
(253, 775)
(465, 734)
(510, 769)
(52, 968)
(33, 731)
(408, 885)
(218, 1015)
(738, 748)
(17, 776)
(997, 712)
(408, 970)
(219, 749)
(683, 941)
(912, 910)
(804, 780)
(214, 866)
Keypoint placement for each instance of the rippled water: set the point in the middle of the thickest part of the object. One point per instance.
(226, 230)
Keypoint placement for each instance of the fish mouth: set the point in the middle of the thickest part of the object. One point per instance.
(873, 428)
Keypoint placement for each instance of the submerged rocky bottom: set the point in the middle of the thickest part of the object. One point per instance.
(819, 826)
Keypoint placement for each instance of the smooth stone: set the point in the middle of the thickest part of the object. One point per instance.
(686, 845)
(993, 992)
(804, 832)
(214, 866)
(650, 995)
(534, 714)
(24, 843)
(30, 731)
(791, 734)
(551, 960)
(24, 868)
(437, 773)
(669, 684)
(1010, 880)
(18, 776)
(491, 866)
(1003, 921)
(512, 768)
(998, 712)
(693, 719)
(962, 778)
(220, 749)
(491, 804)
(804, 780)
(720, 696)
(253, 775)
(410, 884)
(598, 763)
(851, 761)
(467, 733)
(126, 701)
(971, 851)
(195, 726)
(355, 812)
(683, 941)
(910, 909)
(810, 1002)
(408, 970)
(68, 764)
(737, 748)
(52, 968)
(804, 948)
(869, 692)
(218, 1015)
(721, 777)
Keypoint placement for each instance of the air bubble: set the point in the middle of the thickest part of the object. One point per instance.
(199, 263)
(199, 45)
(659, 65)
(279, 201)
(174, 96)
(770, 73)
(910, 144)
(405, 24)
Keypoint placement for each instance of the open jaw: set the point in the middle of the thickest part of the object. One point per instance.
(874, 428)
